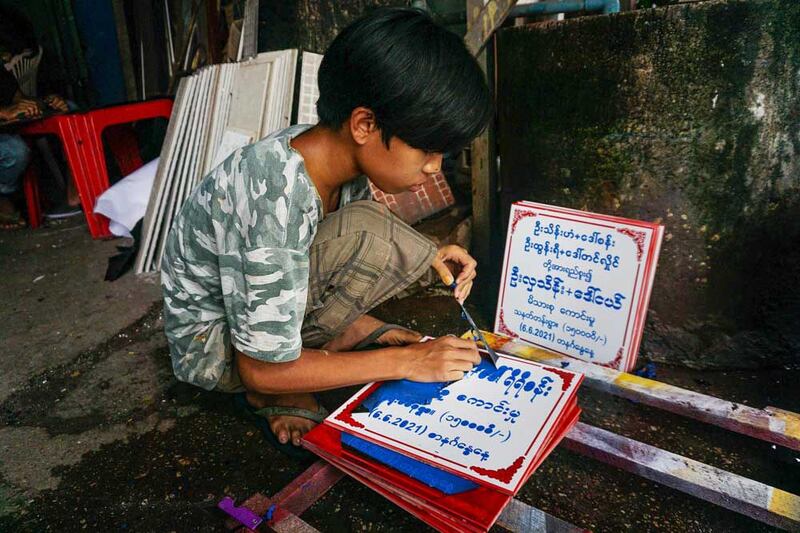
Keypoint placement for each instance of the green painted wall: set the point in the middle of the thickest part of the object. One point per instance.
(689, 115)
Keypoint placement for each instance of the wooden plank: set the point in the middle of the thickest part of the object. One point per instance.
(772, 425)
(297, 496)
(320, 477)
(124, 44)
(736, 493)
(519, 516)
(484, 199)
(291, 524)
(484, 174)
(283, 521)
(189, 161)
(213, 10)
(483, 23)
(249, 46)
(308, 487)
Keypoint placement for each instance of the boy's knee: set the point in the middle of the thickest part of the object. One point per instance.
(372, 217)
(369, 208)
(374, 250)
(376, 222)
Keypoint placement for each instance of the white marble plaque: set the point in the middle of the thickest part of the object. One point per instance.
(577, 283)
(490, 426)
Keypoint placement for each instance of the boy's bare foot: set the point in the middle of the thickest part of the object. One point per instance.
(286, 428)
(362, 327)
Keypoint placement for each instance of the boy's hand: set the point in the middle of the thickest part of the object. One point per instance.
(443, 359)
(452, 260)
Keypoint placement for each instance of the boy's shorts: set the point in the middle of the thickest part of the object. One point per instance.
(361, 256)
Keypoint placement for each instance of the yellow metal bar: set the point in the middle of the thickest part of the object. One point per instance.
(771, 424)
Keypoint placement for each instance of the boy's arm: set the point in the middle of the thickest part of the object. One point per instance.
(442, 359)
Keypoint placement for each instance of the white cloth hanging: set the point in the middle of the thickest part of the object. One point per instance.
(126, 201)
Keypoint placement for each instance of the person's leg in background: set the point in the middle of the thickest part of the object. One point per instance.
(14, 159)
(70, 204)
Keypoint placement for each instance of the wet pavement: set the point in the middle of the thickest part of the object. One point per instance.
(95, 433)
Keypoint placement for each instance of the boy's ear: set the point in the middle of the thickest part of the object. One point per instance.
(363, 125)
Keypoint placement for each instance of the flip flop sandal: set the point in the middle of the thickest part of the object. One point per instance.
(259, 417)
(373, 337)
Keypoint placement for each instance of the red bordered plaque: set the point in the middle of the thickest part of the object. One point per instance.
(494, 426)
(577, 283)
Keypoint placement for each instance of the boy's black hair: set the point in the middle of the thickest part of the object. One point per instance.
(418, 78)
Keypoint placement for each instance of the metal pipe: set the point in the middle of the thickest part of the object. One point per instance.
(564, 6)
(538, 8)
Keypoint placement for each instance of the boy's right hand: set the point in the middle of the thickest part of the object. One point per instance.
(443, 359)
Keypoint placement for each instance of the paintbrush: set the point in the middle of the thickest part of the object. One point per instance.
(476, 332)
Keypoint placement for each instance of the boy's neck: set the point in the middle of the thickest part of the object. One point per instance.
(329, 161)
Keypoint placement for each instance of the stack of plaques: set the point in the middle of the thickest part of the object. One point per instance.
(452, 454)
(217, 110)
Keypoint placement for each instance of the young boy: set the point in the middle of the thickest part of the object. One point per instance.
(275, 260)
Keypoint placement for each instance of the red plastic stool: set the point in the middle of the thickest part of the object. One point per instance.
(81, 136)
(121, 140)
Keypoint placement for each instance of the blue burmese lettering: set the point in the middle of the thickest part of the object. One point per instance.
(573, 272)
(571, 346)
(583, 315)
(555, 230)
(456, 442)
(541, 319)
(580, 254)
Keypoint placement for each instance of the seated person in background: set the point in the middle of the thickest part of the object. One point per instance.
(14, 152)
(16, 36)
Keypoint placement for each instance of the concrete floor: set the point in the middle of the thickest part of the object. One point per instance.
(95, 433)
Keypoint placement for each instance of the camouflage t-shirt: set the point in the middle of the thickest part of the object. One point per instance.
(235, 267)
